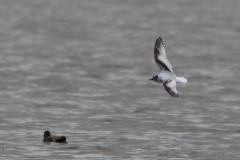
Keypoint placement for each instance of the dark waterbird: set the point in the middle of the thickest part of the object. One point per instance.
(48, 138)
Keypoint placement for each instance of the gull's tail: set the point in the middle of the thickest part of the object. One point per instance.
(181, 80)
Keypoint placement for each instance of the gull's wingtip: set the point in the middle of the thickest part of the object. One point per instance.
(158, 43)
(159, 39)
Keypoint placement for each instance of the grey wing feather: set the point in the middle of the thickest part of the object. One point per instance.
(160, 56)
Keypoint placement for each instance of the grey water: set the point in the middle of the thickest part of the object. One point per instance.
(81, 69)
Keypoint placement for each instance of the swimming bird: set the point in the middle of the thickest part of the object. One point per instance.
(166, 75)
(48, 138)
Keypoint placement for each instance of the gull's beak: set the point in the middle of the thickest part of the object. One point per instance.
(150, 79)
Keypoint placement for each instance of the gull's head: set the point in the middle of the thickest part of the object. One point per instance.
(155, 78)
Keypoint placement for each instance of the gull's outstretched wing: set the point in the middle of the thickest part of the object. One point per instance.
(170, 87)
(160, 56)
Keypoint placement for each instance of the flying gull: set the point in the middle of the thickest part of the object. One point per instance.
(166, 75)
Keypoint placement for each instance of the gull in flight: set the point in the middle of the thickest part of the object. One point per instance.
(166, 75)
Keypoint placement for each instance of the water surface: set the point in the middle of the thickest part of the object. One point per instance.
(81, 69)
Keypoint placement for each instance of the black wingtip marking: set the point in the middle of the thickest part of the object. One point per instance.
(158, 42)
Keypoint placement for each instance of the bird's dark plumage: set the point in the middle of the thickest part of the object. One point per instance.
(48, 138)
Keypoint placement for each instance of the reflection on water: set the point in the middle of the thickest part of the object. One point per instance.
(81, 69)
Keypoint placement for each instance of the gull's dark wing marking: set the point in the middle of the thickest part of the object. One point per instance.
(170, 87)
